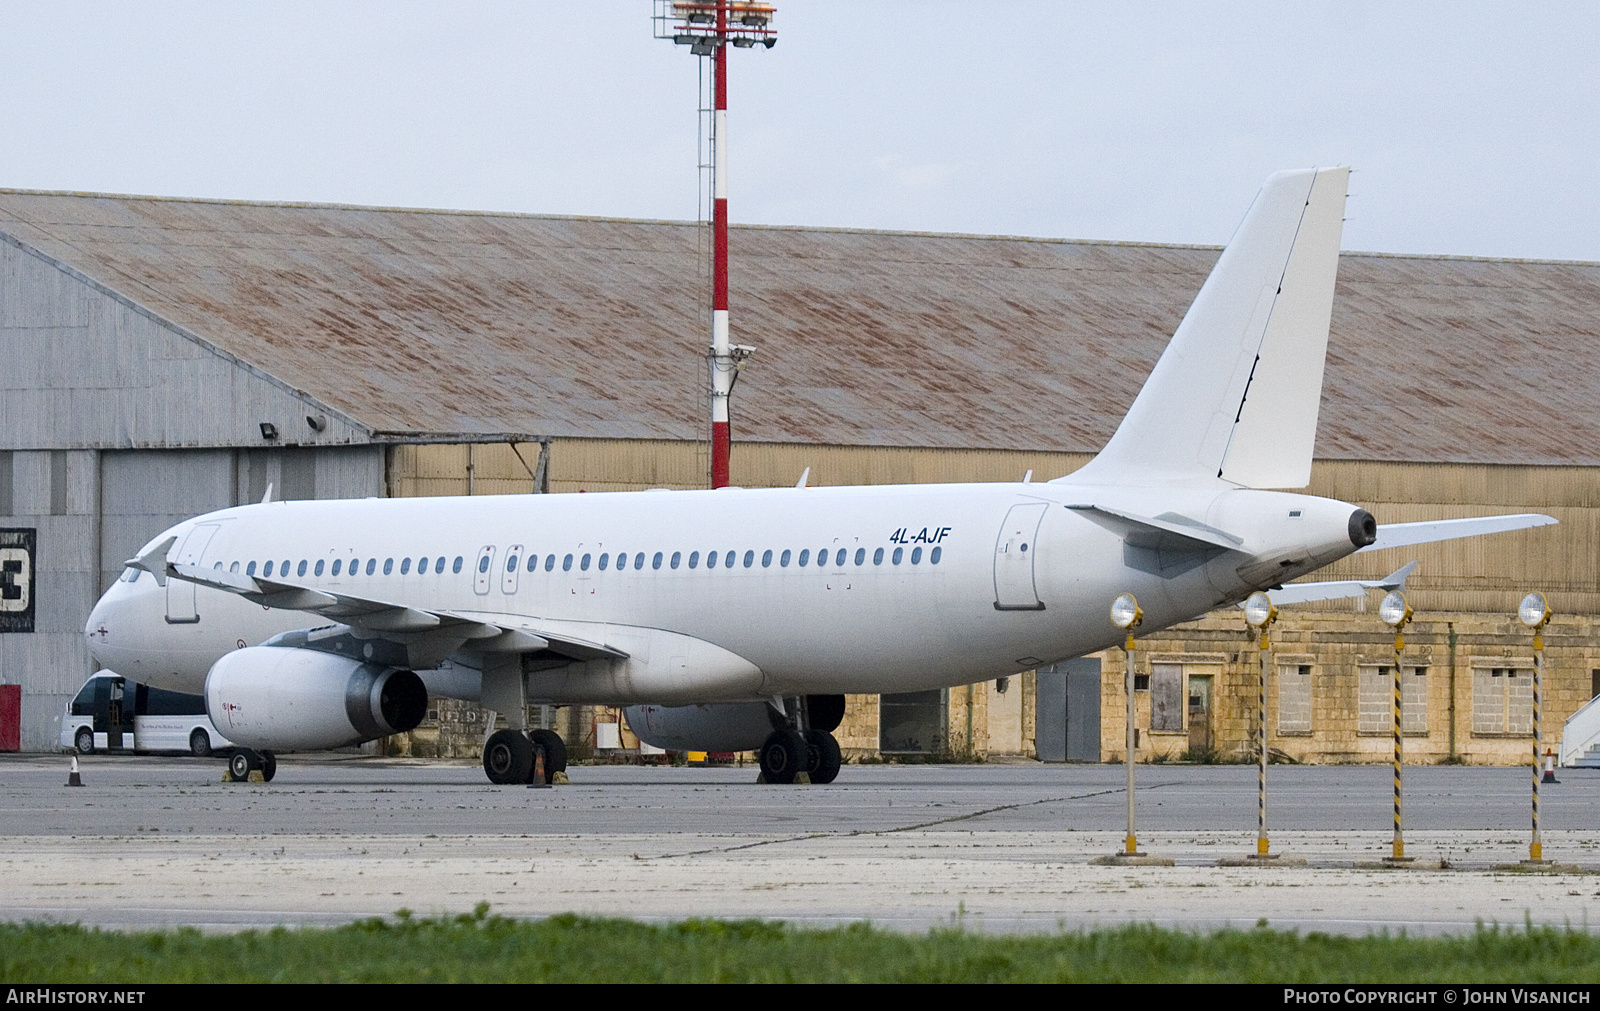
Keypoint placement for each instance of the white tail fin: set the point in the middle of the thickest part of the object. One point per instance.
(1236, 393)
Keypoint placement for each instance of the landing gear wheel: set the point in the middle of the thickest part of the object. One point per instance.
(240, 764)
(200, 743)
(508, 758)
(555, 753)
(822, 756)
(84, 742)
(783, 756)
(269, 765)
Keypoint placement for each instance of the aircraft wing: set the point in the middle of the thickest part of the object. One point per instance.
(1399, 535)
(1301, 593)
(380, 619)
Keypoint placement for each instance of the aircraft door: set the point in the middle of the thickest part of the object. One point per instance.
(508, 578)
(180, 592)
(483, 573)
(1014, 552)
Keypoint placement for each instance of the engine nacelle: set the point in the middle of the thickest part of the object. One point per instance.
(286, 699)
(730, 726)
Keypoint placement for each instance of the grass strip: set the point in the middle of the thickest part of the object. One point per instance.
(483, 948)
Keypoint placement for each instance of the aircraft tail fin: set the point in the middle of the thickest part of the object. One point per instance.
(1235, 395)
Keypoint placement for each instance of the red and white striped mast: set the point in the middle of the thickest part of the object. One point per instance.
(709, 27)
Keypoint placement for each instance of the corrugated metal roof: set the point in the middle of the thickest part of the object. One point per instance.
(432, 321)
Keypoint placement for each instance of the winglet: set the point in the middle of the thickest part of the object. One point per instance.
(154, 560)
(268, 496)
(1396, 580)
(804, 475)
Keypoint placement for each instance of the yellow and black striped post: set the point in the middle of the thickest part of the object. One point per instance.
(1126, 615)
(1259, 614)
(1396, 612)
(1534, 612)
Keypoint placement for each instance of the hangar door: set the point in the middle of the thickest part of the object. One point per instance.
(1067, 711)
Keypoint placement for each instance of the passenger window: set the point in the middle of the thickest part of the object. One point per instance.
(933, 556)
(749, 558)
(766, 559)
(861, 555)
(727, 560)
(438, 565)
(337, 562)
(655, 563)
(372, 563)
(839, 561)
(300, 569)
(250, 569)
(456, 565)
(422, 566)
(711, 559)
(511, 564)
(405, 566)
(533, 562)
(916, 555)
(805, 557)
(822, 557)
(483, 564)
(677, 556)
(638, 560)
(388, 566)
(877, 557)
(318, 570)
(583, 563)
(549, 562)
(605, 559)
(566, 564)
(133, 574)
(899, 553)
(783, 559)
(694, 559)
(267, 571)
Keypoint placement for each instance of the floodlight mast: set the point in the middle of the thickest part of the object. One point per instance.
(707, 27)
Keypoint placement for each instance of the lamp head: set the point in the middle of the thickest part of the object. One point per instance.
(1125, 611)
(1259, 611)
(1395, 610)
(1534, 611)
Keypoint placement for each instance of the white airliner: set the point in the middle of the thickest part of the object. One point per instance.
(738, 619)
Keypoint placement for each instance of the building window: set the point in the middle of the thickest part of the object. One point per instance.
(1502, 700)
(1166, 696)
(1376, 715)
(1294, 698)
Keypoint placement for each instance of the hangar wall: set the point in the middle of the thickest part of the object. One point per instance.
(114, 425)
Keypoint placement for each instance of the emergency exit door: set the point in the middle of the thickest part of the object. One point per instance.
(1014, 551)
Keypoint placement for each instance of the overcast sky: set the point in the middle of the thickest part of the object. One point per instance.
(1473, 127)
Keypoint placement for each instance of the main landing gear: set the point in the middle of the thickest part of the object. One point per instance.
(244, 761)
(510, 757)
(804, 742)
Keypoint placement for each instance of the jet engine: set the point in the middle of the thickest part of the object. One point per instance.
(730, 726)
(285, 699)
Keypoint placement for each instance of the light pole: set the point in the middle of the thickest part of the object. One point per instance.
(708, 28)
(1534, 612)
(1126, 615)
(1259, 614)
(1396, 612)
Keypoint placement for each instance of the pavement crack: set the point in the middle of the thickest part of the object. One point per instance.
(857, 833)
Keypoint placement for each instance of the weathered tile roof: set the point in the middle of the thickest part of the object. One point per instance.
(435, 321)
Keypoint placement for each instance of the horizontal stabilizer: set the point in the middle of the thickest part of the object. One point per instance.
(1399, 535)
(1168, 524)
(1304, 593)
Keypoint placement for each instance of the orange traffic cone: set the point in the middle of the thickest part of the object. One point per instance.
(73, 779)
(1549, 768)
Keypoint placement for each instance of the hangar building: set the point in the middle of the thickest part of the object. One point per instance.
(165, 357)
